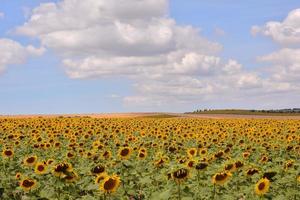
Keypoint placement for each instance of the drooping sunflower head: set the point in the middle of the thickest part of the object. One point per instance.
(98, 170)
(71, 177)
(180, 175)
(262, 186)
(30, 160)
(124, 152)
(201, 166)
(40, 168)
(230, 167)
(61, 169)
(27, 184)
(270, 175)
(252, 171)
(221, 178)
(238, 164)
(110, 184)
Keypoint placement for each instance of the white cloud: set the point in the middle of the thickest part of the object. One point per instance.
(136, 39)
(286, 33)
(2, 15)
(284, 69)
(285, 65)
(14, 53)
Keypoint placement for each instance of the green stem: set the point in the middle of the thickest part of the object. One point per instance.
(214, 192)
(179, 192)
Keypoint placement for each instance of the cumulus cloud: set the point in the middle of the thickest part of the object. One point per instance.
(138, 40)
(284, 63)
(286, 33)
(14, 53)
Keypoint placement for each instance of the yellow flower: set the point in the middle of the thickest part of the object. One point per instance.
(110, 184)
(30, 161)
(124, 153)
(40, 168)
(27, 184)
(100, 177)
(7, 153)
(180, 175)
(262, 186)
(221, 178)
(192, 152)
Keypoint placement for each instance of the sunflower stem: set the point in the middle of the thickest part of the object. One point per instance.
(214, 192)
(179, 191)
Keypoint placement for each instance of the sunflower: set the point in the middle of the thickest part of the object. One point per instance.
(201, 166)
(238, 164)
(161, 161)
(18, 176)
(262, 186)
(50, 161)
(142, 155)
(27, 184)
(252, 171)
(30, 161)
(221, 178)
(100, 177)
(191, 163)
(230, 167)
(106, 154)
(288, 164)
(192, 152)
(269, 175)
(61, 170)
(98, 170)
(7, 153)
(71, 177)
(124, 153)
(40, 168)
(246, 154)
(110, 184)
(180, 175)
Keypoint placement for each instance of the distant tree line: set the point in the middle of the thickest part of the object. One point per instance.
(288, 110)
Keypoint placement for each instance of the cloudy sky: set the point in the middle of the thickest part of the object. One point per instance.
(74, 56)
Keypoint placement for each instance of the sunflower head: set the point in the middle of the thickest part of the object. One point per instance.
(18, 176)
(180, 175)
(98, 170)
(7, 153)
(262, 186)
(30, 161)
(62, 169)
(124, 152)
(110, 184)
(40, 168)
(201, 166)
(221, 178)
(252, 171)
(71, 177)
(192, 152)
(27, 184)
(100, 177)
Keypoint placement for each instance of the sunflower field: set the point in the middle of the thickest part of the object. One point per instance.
(66, 158)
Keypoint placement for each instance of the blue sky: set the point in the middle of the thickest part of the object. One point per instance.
(42, 84)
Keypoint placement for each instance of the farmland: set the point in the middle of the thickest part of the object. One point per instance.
(163, 157)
